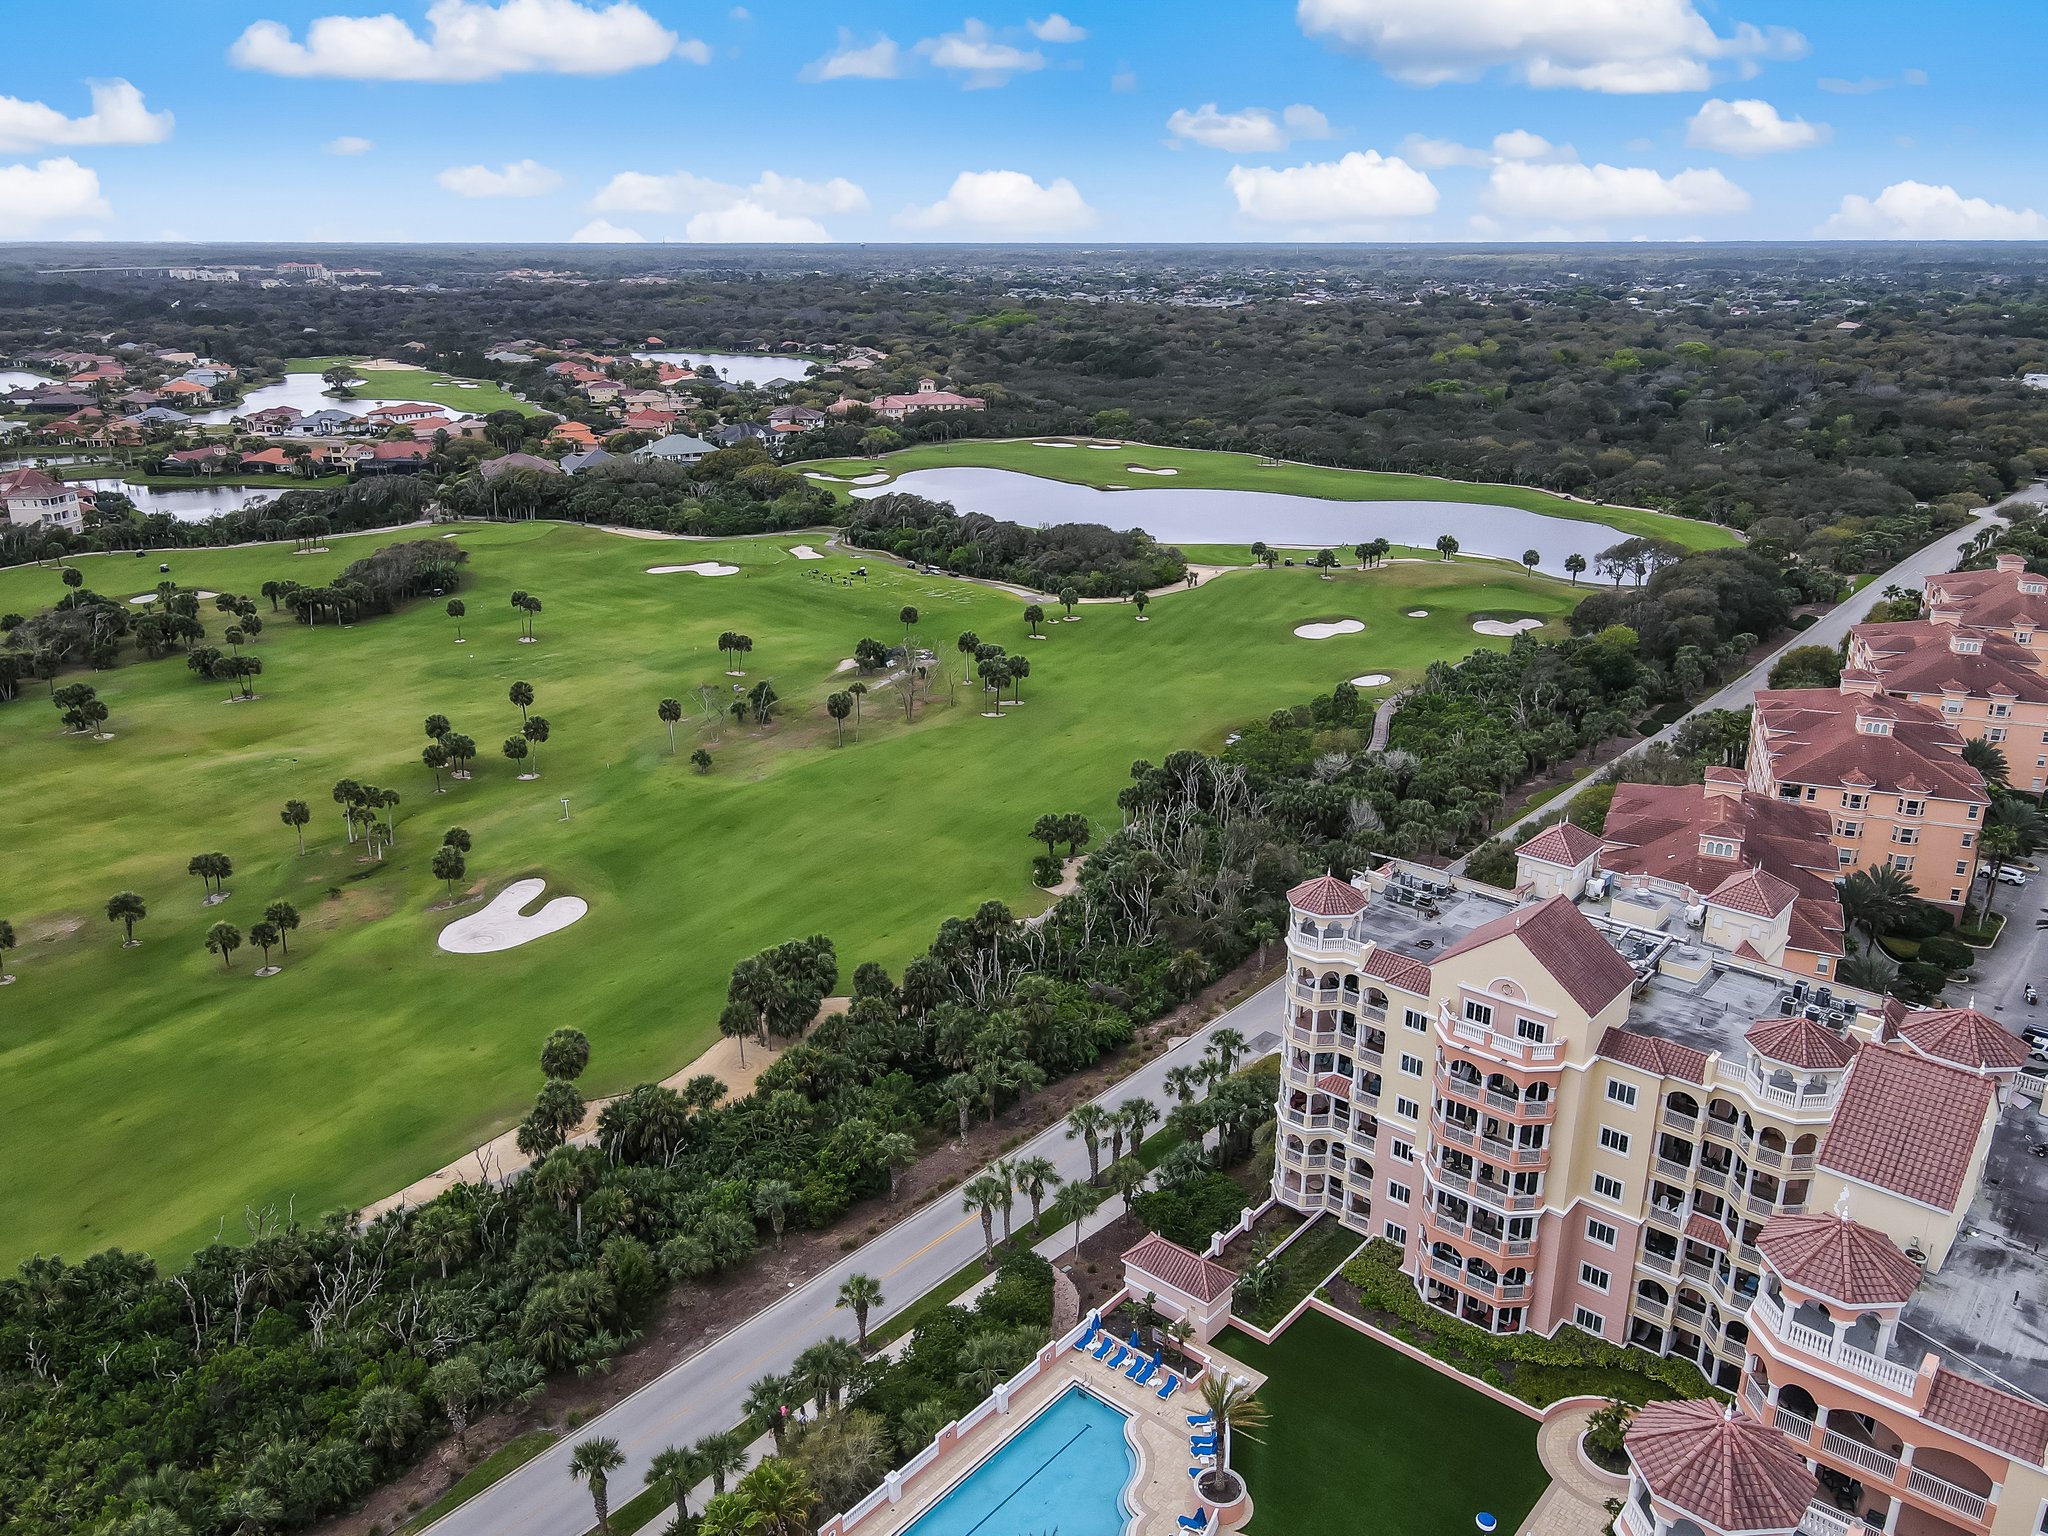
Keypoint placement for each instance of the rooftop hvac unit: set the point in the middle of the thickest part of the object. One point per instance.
(1696, 915)
(1596, 887)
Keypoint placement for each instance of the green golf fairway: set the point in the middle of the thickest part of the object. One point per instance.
(147, 1095)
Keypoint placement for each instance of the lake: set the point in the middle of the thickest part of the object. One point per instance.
(188, 506)
(15, 378)
(1177, 515)
(300, 390)
(755, 368)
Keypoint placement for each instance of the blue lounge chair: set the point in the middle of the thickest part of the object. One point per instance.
(1196, 1471)
(1201, 1418)
(1198, 1521)
(1143, 1372)
(1116, 1360)
(1172, 1381)
(1108, 1343)
(1202, 1447)
(1085, 1340)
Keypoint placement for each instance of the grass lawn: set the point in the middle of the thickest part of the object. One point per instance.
(1309, 1260)
(1363, 1440)
(478, 396)
(147, 1095)
(1202, 469)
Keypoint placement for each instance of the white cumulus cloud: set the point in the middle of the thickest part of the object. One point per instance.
(1252, 131)
(1573, 192)
(748, 223)
(1515, 144)
(687, 192)
(982, 59)
(118, 116)
(1363, 187)
(348, 144)
(879, 60)
(32, 196)
(1056, 29)
(1915, 210)
(604, 232)
(1004, 202)
(519, 178)
(1750, 127)
(469, 40)
(1616, 46)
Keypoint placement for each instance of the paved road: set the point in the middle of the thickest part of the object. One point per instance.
(1830, 630)
(703, 1394)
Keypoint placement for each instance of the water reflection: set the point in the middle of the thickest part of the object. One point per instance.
(756, 368)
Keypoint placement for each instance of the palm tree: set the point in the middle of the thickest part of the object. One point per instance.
(263, 935)
(1996, 843)
(1226, 1045)
(1184, 1083)
(1532, 558)
(522, 695)
(1004, 1172)
(1034, 1176)
(767, 1405)
(1141, 597)
(897, 1152)
(1576, 565)
(449, 867)
(536, 731)
(455, 611)
(670, 710)
(1234, 1408)
(1090, 1122)
(961, 1089)
(723, 1455)
(985, 1359)
(1068, 597)
(224, 939)
(127, 909)
(701, 760)
(982, 1194)
(968, 643)
(1033, 617)
(1874, 899)
(1073, 1204)
(284, 917)
(1987, 757)
(907, 617)
(593, 1462)
(7, 942)
(516, 749)
(1138, 1115)
(839, 706)
(1126, 1176)
(296, 814)
(435, 756)
(857, 1295)
(675, 1472)
(1446, 545)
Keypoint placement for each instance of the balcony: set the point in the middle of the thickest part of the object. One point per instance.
(1770, 1315)
(1657, 1263)
(1455, 1134)
(1676, 1172)
(1508, 1047)
(1720, 1130)
(1666, 1219)
(1970, 1505)
(1524, 1109)
(1676, 1120)
(1825, 1520)
(1505, 1201)
(1691, 1317)
(1708, 1177)
(1317, 944)
(1460, 1088)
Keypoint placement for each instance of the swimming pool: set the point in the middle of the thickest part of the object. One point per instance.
(1065, 1471)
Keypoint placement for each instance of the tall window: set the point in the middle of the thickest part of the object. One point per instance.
(1478, 1013)
(1614, 1141)
(1607, 1188)
(1589, 1320)
(1595, 1276)
(1601, 1232)
(1621, 1093)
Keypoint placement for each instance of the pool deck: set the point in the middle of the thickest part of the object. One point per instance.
(1160, 1490)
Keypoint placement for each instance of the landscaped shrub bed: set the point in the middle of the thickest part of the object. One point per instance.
(1304, 1265)
(1539, 1370)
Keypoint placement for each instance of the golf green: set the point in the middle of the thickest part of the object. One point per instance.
(148, 1095)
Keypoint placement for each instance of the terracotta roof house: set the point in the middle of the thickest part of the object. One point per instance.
(507, 463)
(1964, 1038)
(1981, 680)
(1559, 939)
(403, 414)
(1831, 1256)
(32, 499)
(1888, 772)
(2008, 598)
(926, 397)
(1326, 896)
(1910, 1126)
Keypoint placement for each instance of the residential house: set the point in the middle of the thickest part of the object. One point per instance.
(33, 499)
(403, 415)
(794, 418)
(573, 462)
(195, 460)
(398, 458)
(274, 421)
(185, 392)
(600, 390)
(739, 432)
(159, 416)
(508, 463)
(677, 448)
(266, 461)
(327, 423)
(1890, 773)
(927, 397)
(657, 422)
(572, 432)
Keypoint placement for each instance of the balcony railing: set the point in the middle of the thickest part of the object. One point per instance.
(1460, 1088)
(1513, 1047)
(1657, 1263)
(1525, 1109)
(1868, 1457)
(1947, 1494)
(1826, 1520)
(1499, 1199)
(1679, 1121)
(1678, 1172)
(1665, 1218)
(1719, 1130)
(1709, 1177)
(1457, 1135)
(1319, 944)
(1772, 1317)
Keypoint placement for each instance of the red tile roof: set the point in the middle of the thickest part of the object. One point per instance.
(1920, 656)
(1175, 1266)
(1907, 1124)
(1327, 896)
(1729, 1473)
(1647, 1053)
(1336, 1084)
(1990, 1417)
(1799, 1042)
(1398, 971)
(1757, 892)
(1990, 597)
(1564, 844)
(1812, 736)
(1964, 1037)
(1561, 939)
(1704, 1229)
(29, 482)
(1842, 1260)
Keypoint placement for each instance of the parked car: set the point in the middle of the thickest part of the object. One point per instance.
(2005, 874)
(2036, 1035)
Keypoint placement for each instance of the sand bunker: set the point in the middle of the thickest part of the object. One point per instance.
(501, 925)
(1140, 469)
(873, 477)
(805, 552)
(1326, 631)
(1112, 447)
(1418, 613)
(1053, 445)
(149, 597)
(700, 568)
(1508, 627)
(1371, 680)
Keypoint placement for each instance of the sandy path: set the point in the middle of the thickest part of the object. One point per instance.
(499, 1158)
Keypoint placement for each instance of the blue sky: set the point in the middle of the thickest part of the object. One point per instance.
(317, 120)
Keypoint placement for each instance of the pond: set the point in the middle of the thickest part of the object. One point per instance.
(304, 391)
(16, 378)
(756, 368)
(1177, 515)
(188, 506)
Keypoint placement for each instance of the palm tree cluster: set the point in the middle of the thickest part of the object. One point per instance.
(528, 607)
(446, 748)
(1070, 828)
(732, 646)
(362, 808)
(81, 707)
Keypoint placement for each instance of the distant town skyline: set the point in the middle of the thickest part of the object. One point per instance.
(1326, 120)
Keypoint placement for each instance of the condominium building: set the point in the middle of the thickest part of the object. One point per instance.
(1828, 1203)
(2008, 598)
(1890, 772)
(1982, 683)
